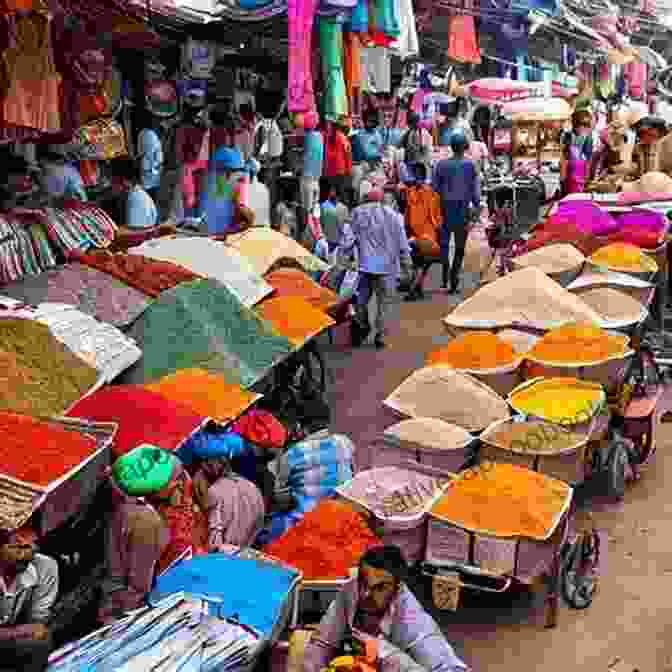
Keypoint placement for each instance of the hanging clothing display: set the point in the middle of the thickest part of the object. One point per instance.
(384, 28)
(331, 50)
(300, 95)
(462, 38)
(376, 70)
(359, 18)
(30, 80)
(352, 66)
(192, 146)
(408, 44)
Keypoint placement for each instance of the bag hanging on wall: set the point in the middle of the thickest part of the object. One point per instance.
(100, 140)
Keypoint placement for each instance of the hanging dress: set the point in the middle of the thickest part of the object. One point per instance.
(462, 38)
(331, 49)
(579, 155)
(300, 16)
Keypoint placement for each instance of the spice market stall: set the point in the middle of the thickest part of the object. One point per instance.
(501, 523)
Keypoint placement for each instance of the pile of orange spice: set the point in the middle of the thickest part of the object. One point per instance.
(327, 543)
(576, 343)
(474, 350)
(624, 256)
(205, 393)
(294, 282)
(294, 318)
(503, 500)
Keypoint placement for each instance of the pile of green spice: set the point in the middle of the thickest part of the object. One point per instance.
(38, 374)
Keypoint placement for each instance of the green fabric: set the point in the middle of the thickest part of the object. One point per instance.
(331, 52)
(201, 324)
(144, 470)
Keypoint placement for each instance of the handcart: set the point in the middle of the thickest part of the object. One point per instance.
(566, 559)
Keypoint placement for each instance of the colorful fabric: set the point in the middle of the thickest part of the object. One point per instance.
(407, 630)
(337, 155)
(300, 16)
(147, 275)
(142, 416)
(63, 181)
(335, 101)
(89, 290)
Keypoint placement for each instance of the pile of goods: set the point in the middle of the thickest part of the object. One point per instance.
(474, 350)
(624, 257)
(578, 343)
(504, 500)
(564, 401)
(327, 543)
(531, 437)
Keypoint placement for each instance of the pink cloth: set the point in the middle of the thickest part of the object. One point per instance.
(636, 75)
(300, 95)
(631, 197)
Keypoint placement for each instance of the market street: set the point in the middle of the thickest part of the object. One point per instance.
(630, 616)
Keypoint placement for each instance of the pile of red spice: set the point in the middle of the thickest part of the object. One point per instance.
(327, 543)
(39, 452)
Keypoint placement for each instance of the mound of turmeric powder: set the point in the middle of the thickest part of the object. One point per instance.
(504, 500)
(578, 343)
(474, 350)
(623, 256)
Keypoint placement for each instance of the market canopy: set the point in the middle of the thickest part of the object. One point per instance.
(500, 90)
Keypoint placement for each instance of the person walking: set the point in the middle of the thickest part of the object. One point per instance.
(457, 183)
(378, 235)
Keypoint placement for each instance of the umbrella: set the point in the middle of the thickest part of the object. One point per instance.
(538, 109)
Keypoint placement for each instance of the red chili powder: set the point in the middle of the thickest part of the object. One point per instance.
(39, 452)
(327, 543)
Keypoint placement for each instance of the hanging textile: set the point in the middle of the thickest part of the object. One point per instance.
(384, 26)
(300, 15)
(352, 67)
(376, 70)
(462, 39)
(408, 44)
(29, 77)
(359, 19)
(636, 76)
(331, 49)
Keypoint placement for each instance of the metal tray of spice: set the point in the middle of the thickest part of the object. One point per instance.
(61, 498)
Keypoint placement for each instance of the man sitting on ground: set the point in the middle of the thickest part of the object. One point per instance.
(378, 605)
(28, 590)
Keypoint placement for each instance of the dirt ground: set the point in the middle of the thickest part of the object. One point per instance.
(631, 617)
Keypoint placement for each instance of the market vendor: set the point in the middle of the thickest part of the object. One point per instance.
(137, 538)
(233, 504)
(140, 211)
(29, 587)
(577, 153)
(378, 604)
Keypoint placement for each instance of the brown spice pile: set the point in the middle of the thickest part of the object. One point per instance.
(38, 374)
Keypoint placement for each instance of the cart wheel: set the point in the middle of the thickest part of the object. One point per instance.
(311, 373)
(616, 466)
(577, 579)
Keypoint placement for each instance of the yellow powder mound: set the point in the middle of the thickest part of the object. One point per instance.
(504, 500)
(565, 401)
(624, 257)
(474, 350)
(578, 343)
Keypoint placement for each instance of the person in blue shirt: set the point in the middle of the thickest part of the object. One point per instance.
(367, 144)
(457, 183)
(141, 211)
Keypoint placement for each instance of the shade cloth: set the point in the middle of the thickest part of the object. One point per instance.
(210, 259)
(554, 109)
(253, 592)
(143, 416)
(526, 297)
(443, 393)
(263, 247)
(87, 289)
(201, 324)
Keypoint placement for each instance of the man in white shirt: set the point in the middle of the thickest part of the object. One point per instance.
(28, 591)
